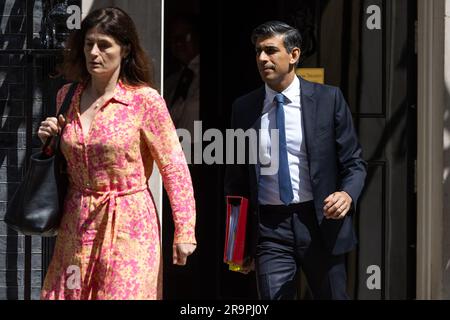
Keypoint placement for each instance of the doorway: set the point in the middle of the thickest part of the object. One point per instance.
(367, 49)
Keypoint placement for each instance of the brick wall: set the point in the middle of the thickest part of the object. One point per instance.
(12, 142)
(18, 72)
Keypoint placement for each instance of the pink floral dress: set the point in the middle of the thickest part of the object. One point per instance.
(108, 245)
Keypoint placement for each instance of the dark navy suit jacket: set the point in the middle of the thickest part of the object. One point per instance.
(334, 159)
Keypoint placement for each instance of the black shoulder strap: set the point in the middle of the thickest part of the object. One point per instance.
(67, 99)
(65, 105)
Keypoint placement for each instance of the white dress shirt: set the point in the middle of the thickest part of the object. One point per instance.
(185, 112)
(297, 157)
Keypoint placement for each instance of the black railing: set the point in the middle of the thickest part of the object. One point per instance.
(38, 52)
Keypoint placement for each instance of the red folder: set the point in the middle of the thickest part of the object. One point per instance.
(236, 225)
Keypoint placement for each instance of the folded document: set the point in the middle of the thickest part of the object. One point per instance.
(235, 235)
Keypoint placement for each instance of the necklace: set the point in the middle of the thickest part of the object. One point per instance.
(99, 101)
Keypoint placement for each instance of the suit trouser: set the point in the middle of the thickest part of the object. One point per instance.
(290, 239)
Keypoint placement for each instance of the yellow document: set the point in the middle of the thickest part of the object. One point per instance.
(312, 74)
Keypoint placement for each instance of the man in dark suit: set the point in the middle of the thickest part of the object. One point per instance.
(301, 215)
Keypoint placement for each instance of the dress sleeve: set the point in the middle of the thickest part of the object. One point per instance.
(161, 137)
(61, 95)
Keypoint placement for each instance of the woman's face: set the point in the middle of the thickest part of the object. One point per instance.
(103, 54)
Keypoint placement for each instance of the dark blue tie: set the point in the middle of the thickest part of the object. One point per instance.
(284, 177)
(184, 82)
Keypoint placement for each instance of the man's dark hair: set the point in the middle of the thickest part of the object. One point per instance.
(292, 37)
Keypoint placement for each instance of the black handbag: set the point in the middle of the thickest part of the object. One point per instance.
(36, 207)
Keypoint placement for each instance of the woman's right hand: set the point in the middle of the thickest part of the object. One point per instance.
(51, 127)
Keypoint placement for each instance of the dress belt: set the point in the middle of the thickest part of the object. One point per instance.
(109, 196)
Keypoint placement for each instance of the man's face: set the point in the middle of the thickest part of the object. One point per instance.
(182, 43)
(273, 60)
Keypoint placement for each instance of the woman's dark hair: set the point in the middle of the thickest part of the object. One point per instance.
(292, 37)
(136, 68)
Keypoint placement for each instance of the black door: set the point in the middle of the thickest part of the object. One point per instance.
(367, 49)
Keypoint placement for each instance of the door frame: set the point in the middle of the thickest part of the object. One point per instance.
(430, 160)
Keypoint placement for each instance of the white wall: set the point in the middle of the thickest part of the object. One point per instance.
(433, 158)
(446, 201)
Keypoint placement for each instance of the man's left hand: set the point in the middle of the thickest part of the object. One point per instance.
(337, 205)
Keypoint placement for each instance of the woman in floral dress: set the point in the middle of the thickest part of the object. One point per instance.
(117, 127)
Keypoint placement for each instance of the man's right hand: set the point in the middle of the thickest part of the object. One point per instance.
(247, 267)
(50, 127)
